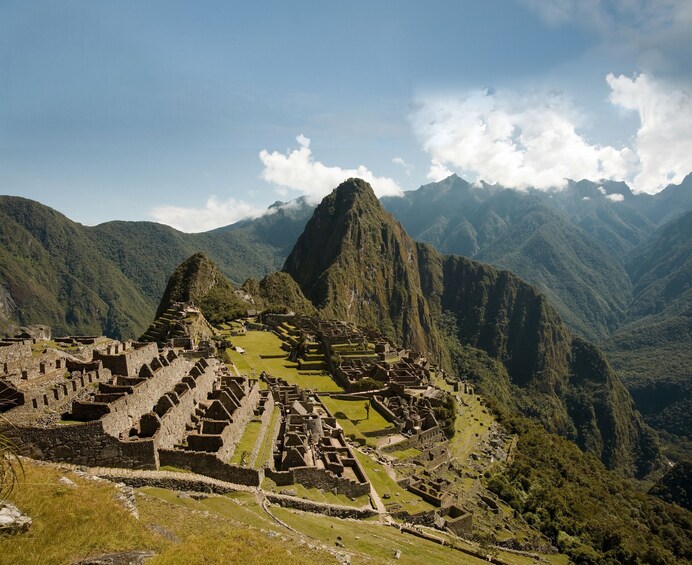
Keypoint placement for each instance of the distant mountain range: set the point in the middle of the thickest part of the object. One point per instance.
(614, 265)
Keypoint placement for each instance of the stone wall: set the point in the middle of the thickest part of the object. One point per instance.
(180, 482)
(84, 444)
(312, 477)
(242, 415)
(129, 362)
(421, 440)
(65, 388)
(320, 507)
(14, 355)
(172, 424)
(211, 466)
(128, 409)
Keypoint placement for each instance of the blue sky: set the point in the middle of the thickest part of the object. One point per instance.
(198, 113)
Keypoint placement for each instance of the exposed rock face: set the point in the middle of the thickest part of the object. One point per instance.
(355, 262)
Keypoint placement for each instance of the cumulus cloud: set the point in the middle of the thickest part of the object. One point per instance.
(615, 197)
(513, 140)
(213, 215)
(298, 170)
(664, 139)
(533, 140)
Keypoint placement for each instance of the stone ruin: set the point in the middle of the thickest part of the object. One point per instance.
(37, 374)
(134, 405)
(311, 448)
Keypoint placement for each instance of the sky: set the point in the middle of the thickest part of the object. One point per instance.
(197, 114)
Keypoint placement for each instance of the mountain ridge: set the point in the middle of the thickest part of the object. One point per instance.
(580, 395)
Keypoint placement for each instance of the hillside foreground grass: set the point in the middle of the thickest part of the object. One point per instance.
(84, 521)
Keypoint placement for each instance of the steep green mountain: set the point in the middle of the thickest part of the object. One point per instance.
(109, 278)
(51, 272)
(599, 254)
(278, 292)
(652, 349)
(355, 262)
(527, 235)
(198, 281)
(676, 485)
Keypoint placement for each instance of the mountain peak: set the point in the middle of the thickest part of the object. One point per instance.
(351, 192)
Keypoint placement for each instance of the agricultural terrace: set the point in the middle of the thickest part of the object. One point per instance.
(262, 352)
(357, 421)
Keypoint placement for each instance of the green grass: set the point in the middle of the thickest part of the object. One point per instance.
(474, 419)
(384, 484)
(74, 523)
(173, 469)
(261, 349)
(372, 538)
(356, 412)
(265, 450)
(246, 444)
(405, 453)
(351, 431)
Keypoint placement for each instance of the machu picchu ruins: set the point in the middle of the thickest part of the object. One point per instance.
(276, 402)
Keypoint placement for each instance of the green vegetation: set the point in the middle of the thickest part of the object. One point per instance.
(387, 487)
(263, 353)
(318, 495)
(590, 513)
(405, 453)
(109, 279)
(278, 292)
(244, 448)
(651, 350)
(365, 420)
(676, 485)
(10, 465)
(73, 523)
(266, 448)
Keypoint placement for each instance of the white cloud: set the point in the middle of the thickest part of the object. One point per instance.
(438, 171)
(586, 198)
(664, 139)
(615, 197)
(513, 140)
(519, 140)
(408, 168)
(299, 171)
(214, 214)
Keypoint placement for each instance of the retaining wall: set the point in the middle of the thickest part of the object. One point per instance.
(172, 430)
(320, 508)
(312, 477)
(128, 409)
(130, 361)
(84, 444)
(211, 466)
